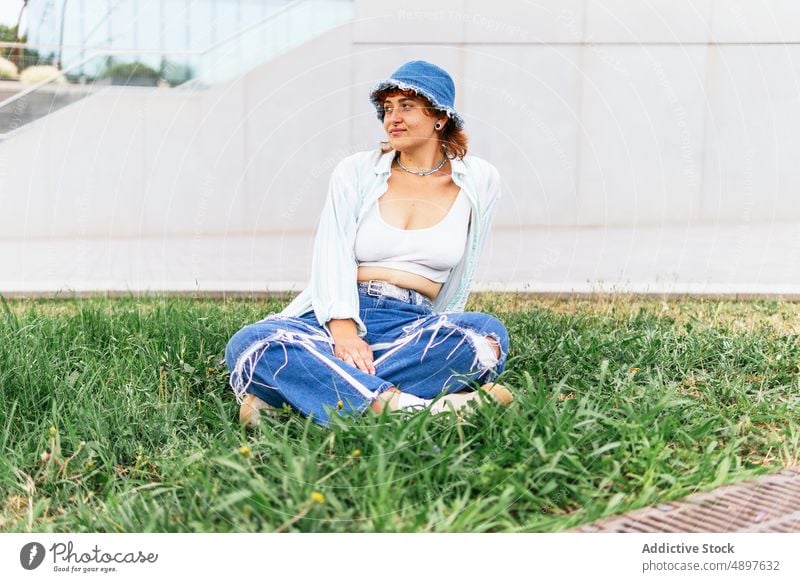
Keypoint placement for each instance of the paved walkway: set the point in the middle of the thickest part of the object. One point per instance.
(734, 259)
(770, 503)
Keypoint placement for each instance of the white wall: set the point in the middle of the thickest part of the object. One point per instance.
(597, 113)
(615, 112)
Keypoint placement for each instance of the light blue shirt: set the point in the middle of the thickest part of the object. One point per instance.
(355, 185)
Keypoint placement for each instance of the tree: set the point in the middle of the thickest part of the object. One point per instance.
(8, 33)
(23, 58)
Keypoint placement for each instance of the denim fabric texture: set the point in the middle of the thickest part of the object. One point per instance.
(290, 360)
(425, 79)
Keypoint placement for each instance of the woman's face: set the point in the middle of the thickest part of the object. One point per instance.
(405, 121)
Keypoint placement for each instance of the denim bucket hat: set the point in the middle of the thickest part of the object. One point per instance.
(425, 79)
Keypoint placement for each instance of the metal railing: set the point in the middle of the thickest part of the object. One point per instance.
(264, 39)
(59, 88)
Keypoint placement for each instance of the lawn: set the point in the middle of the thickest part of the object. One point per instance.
(115, 417)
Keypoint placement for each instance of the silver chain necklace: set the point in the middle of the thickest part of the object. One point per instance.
(421, 172)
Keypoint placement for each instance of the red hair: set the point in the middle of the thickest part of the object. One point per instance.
(454, 139)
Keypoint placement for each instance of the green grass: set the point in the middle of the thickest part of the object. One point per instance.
(114, 417)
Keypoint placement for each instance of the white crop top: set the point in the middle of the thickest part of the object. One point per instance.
(431, 252)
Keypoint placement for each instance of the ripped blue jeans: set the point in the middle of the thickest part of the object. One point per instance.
(290, 360)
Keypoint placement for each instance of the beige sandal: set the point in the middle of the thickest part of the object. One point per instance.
(250, 410)
(500, 393)
(461, 401)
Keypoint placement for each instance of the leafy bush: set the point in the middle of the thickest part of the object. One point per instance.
(8, 70)
(134, 73)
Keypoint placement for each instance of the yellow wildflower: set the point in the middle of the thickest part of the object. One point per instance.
(317, 497)
(244, 451)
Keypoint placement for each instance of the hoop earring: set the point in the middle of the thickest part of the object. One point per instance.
(437, 125)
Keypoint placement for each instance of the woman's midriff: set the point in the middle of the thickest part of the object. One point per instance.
(402, 279)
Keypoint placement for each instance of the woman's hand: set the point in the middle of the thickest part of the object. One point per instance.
(348, 345)
(355, 351)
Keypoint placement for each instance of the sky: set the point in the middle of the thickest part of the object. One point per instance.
(9, 11)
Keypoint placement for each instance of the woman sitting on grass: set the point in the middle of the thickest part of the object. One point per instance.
(382, 322)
